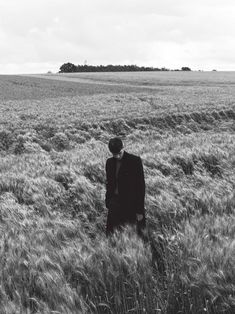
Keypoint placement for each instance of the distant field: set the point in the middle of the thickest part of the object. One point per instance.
(36, 87)
(84, 100)
(155, 78)
(15, 87)
(54, 131)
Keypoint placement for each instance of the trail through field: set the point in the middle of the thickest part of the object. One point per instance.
(89, 81)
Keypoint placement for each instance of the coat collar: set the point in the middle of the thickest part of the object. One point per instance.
(123, 157)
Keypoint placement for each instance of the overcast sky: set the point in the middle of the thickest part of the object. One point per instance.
(40, 35)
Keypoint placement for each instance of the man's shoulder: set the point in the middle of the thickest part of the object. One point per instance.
(132, 157)
(109, 160)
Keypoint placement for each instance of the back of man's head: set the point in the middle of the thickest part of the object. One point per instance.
(115, 145)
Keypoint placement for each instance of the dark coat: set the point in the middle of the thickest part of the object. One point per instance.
(131, 187)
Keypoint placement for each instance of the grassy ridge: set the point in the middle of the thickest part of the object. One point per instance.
(83, 118)
(54, 256)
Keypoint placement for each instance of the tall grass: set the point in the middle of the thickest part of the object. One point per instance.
(55, 257)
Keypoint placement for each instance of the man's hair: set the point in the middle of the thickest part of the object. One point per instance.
(115, 145)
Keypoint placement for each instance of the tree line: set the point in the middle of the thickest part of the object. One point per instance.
(70, 67)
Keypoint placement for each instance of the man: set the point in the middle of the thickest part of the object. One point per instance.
(125, 188)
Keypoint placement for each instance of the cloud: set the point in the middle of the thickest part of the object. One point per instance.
(149, 32)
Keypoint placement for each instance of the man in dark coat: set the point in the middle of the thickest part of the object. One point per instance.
(125, 189)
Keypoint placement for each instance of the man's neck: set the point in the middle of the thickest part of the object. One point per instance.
(120, 159)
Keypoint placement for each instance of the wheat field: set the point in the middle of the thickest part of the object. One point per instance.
(54, 131)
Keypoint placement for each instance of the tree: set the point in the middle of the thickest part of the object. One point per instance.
(68, 67)
(185, 69)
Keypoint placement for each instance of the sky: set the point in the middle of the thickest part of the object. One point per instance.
(37, 36)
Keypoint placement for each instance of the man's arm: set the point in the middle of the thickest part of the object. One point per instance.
(108, 187)
(140, 188)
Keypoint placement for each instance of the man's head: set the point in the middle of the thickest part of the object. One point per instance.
(116, 147)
